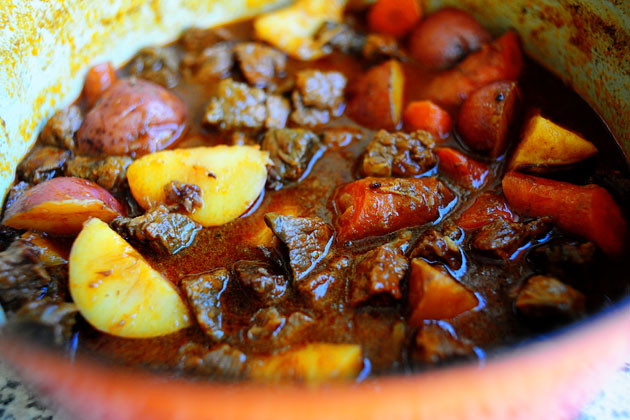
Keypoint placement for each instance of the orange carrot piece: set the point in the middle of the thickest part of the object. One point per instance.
(589, 211)
(394, 17)
(97, 80)
(485, 209)
(464, 170)
(425, 115)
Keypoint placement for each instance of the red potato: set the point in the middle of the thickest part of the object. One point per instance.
(500, 60)
(445, 37)
(394, 17)
(485, 117)
(462, 169)
(98, 79)
(134, 117)
(61, 205)
(376, 98)
(434, 294)
(589, 211)
(427, 116)
(486, 208)
(376, 206)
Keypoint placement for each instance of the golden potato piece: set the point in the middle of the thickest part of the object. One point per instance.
(117, 291)
(312, 364)
(230, 179)
(546, 144)
(292, 29)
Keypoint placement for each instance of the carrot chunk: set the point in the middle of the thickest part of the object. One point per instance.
(394, 17)
(485, 209)
(462, 169)
(97, 80)
(589, 211)
(425, 115)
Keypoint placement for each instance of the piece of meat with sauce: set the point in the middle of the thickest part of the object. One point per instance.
(62, 127)
(321, 89)
(502, 238)
(306, 238)
(307, 116)
(291, 151)
(183, 196)
(159, 229)
(259, 63)
(378, 272)
(324, 288)
(434, 344)
(399, 154)
(258, 277)
(271, 331)
(42, 163)
(56, 316)
(548, 297)
(343, 38)
(381, 47)
(565, 258)
(223, 361)
(109, 172)
(210, 64)
(156, 64)
(14, 192)
(376, 206)
(436, 246)
(203, 294)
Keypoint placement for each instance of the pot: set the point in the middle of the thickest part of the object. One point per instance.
(47, 46)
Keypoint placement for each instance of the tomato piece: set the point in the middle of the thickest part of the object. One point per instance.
(425, 115)
(485, 209)
(462, 169)
(394, 17)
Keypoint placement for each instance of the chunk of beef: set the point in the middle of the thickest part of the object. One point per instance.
(203, 294)
(163, 231)
(399, 154)
(184, 196)
(42, 164)
(435, 246)
(379, 271)
(197, 39)
(434, 344)
(565, 254)
(324, 287)
(291, 151)
(338, 137)
(57, 316)
(502, 238)
(222, 361)
(270, 330)
(238, 106)
(307, 116)
(381, 47)
(258, 277)
(321, 89)
(14, 192)
(61, 128)
(211, 63)
(548, 297)
(306, 238)
(341, 37)
(259, 63)
(110, 172)
(157, 64)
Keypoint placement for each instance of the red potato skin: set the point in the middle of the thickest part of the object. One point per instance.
(442, 39)
(133, 117)
(485, 117)
(98, 79)
(462, 169)
(376, 206)
(485, 209)
(589, 211)
(500, 60)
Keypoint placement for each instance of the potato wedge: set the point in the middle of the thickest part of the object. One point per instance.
(117, 291)
(230, 179)
(292, 29)
(545, 144)
(312, 364)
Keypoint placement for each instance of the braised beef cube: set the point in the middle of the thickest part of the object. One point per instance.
(548, 297)
(399, 154)
(502, 239)
(211, 63)
(324, 288)
(338, 137)
(61, 127)
(321, 89)
(257, 277)
(14, 192)
(203, 294)
(59, 317)
(162, 231)
(197, 39)
(304, 116)
(440, 247)
(379, 272)
(157, 64)
(306, 238)
(259, 63)
(291, 151)
(222, 361)
(184, 196)
(110, 172)
(567, 253)
(381, 47)
(341, 37)
(275, 330)
(434, 344)
(42, 164)
(278, 110)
